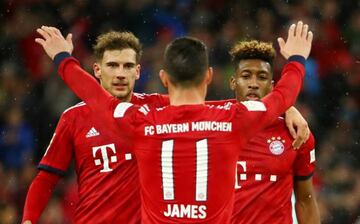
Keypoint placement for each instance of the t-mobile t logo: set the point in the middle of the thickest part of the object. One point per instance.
(104, 155)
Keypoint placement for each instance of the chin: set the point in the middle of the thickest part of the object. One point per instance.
(118, 94)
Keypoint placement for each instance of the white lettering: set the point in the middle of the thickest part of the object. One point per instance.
(211, 126)
(168, 212)
(149, 130)
(202, 211)
(186, 211)
(172, 128)
(185, 127)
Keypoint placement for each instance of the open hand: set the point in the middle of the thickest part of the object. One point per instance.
(298, 41)
(53, 41)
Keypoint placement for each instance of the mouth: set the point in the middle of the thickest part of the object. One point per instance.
(120, 86)
(252, 96)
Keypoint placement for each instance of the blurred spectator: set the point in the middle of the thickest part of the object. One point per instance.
(16, 140)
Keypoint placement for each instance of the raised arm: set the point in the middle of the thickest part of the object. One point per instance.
(296, 49)
(79, 81)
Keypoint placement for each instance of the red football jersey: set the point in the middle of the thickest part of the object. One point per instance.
(187, 154)
(106, 169)
(266, 170)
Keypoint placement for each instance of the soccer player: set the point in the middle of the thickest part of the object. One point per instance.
(187, 151)
(106, 171)
(113, 50)
(268, 169)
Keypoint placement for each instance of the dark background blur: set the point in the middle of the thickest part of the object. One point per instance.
(32, 96)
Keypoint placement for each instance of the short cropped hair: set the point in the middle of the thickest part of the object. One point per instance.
(186, 61)
(115, 40)
(252, 49)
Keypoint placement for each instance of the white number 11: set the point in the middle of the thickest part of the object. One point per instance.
(168, 172)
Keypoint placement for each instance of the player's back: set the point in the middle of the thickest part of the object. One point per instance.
(186, 157)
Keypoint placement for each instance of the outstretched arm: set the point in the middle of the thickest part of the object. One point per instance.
(297, 125)
(297, 47)
(79, 81)
(38, 196)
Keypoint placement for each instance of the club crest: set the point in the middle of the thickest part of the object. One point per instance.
(276, 145)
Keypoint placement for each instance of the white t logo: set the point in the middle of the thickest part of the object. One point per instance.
(105, 158)
(242, 175)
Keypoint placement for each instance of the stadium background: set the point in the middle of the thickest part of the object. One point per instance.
(32, 96)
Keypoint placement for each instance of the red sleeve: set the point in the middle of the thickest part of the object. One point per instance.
(305, 161)
(58, 155)
(88, 89)
(260, 114)
(38, 195)
(286, 90)
(86, 86)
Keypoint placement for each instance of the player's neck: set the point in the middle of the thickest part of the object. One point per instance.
(186, 96)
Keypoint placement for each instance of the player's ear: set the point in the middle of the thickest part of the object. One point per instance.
(232, 83)
(209, 75)
(138, 69)
(164, 78)
(272, 85)
(97, 70)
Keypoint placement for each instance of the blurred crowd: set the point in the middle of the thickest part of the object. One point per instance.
(32, 96)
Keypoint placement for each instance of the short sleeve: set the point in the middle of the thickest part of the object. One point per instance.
(59, 153)
(305, 161)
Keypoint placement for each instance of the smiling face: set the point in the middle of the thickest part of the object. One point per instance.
(252, 79)
(117, 72)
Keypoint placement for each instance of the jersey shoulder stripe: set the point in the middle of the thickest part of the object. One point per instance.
(254, 105)
(121, 108)
(75, 106)
(142, 95)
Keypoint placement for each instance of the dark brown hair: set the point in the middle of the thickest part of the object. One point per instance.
(114, 40)
(186, 61)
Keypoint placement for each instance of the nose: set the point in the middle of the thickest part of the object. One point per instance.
(253, 84)
(120, 73)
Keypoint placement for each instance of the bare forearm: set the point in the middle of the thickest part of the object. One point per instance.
(307, 212)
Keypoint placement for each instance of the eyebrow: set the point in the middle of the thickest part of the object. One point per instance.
(115, 62)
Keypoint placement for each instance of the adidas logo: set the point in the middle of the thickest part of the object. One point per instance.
(92, 132)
